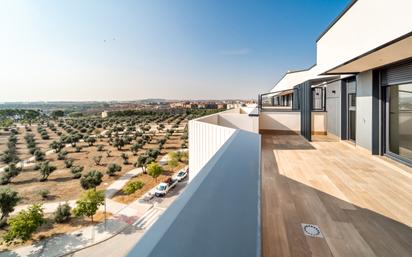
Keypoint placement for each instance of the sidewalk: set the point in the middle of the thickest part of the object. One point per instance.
(121, 182)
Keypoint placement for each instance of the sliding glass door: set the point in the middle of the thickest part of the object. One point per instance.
(399, 120)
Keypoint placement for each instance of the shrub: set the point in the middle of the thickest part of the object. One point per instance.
(22, 226)
(100, 148)
(97, 159)
(68, 163)
(113, 168)
(44, 193)
(62, 213)
(132, 187)
(78, 149)
(76, 171)
(62, 155)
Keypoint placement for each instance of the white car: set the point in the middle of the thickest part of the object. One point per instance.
(163, 188)
(181, 175)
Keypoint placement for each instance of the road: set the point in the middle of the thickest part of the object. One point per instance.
(122, 243)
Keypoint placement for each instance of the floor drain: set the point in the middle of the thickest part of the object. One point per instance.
(311, 230)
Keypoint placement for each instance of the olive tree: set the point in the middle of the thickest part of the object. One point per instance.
(45, 170)
(8, 200)
(91, 180)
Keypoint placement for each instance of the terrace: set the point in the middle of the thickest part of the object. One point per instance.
(360, 203)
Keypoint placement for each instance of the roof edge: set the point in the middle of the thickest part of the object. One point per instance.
(336, 19)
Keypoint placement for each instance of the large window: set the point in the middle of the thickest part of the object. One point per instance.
(400, 120)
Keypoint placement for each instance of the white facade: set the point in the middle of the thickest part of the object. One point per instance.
(368, 24)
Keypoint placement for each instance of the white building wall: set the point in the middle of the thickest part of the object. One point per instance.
(281, 120)
(204, 141)
(364, 110)
(365, 26)
(239, 121)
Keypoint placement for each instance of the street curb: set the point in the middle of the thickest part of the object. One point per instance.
(96, 243)
(127, 225)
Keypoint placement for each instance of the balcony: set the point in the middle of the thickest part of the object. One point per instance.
(218, 214)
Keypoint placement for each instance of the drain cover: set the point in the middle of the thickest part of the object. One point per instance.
(311, 230)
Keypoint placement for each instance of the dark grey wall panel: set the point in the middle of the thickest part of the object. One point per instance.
(305, 93)
(344, 116)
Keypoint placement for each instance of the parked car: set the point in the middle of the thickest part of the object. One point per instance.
(181, 175)
(163, 188)
(147, 197)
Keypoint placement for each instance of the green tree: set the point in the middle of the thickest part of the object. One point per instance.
(91, 180)
(113, 168)
(173, 160)
(90, 140)
(135, 148)
(118, 143)
(141, 161)
(39, 155)
(57, 113)
(9, 172)
(62, 155)
(154, 170)
(89, 203)
(8, 200)
(125, 158)
(97, 159)
(23, 225)
(45, 170)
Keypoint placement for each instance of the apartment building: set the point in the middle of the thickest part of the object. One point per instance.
(320, 168)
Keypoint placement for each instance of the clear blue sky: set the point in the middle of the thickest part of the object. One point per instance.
(180, 49)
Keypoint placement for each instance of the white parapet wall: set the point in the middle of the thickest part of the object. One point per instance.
(205, 139)
(319, 123)
(208, 134)
(239, 121)
(280, 120)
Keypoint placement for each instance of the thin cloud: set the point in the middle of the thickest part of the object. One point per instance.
(239, 51)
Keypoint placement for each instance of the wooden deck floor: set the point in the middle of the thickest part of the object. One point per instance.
(362, 205)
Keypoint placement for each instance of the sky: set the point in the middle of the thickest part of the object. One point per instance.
(75, 50)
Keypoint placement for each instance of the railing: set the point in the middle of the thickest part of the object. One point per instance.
(218, 214)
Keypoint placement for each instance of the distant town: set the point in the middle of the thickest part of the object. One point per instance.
(105, 108)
